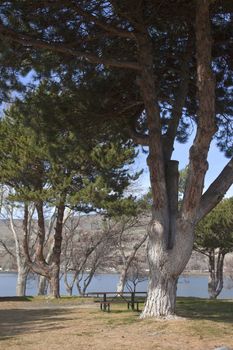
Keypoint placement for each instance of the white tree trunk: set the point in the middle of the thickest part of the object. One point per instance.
(122, 279)
(166, 265)
(22, 280)
(161, 299)
(22, 267)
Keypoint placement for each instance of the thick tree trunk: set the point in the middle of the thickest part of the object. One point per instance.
(42, 286)
(166, 265)
(171, 234)
(161, 299)
(55, 282)
(215, 283)
(22, 280)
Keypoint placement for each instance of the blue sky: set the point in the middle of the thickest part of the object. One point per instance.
(216, 160)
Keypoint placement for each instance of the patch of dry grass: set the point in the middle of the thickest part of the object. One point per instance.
(74, 323)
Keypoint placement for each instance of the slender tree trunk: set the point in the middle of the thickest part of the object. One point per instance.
(127, 261)
(55, 264)
(69, 290)
(44, 281)
(215, 283)
(70, 285)
(41, 234)
(22, 266)
(22, 280)
(50, 270)
(122, 280)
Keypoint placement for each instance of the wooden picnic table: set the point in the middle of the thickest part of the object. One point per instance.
(111, 297)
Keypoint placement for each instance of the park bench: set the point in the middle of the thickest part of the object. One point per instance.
(105, 305)
(109, 298)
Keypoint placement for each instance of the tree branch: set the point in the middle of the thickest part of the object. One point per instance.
(138, 138)
(177, 109)
(28, 41)
(216, 191)
(3, 244)
(198, 164)
(105, 26)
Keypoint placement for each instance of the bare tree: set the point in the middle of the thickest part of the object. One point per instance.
(84, 251)
(10, 213)
(136, 274)
(129, 236)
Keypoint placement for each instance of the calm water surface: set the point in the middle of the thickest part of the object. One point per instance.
(195, 286)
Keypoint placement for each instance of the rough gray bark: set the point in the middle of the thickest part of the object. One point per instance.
(165, 266)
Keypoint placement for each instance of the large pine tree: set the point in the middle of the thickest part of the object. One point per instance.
(164, 65)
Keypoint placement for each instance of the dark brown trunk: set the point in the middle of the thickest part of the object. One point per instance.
(41, 234)
(172, 181)
(55, 264)
(149, 94)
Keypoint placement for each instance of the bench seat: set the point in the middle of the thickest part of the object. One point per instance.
(105, 305)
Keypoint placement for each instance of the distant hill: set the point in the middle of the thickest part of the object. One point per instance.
(88, 223)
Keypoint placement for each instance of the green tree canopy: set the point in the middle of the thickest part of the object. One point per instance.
(80, 42)
(216, 229)
(42, 164)
(156, 69)
(214, 238)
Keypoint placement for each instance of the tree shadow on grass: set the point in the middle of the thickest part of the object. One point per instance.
(199, 309)
(23, 321)
(7, 299)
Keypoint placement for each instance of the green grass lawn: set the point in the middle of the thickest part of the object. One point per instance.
(205, 309)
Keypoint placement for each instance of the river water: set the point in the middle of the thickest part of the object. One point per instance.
(194, 285)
